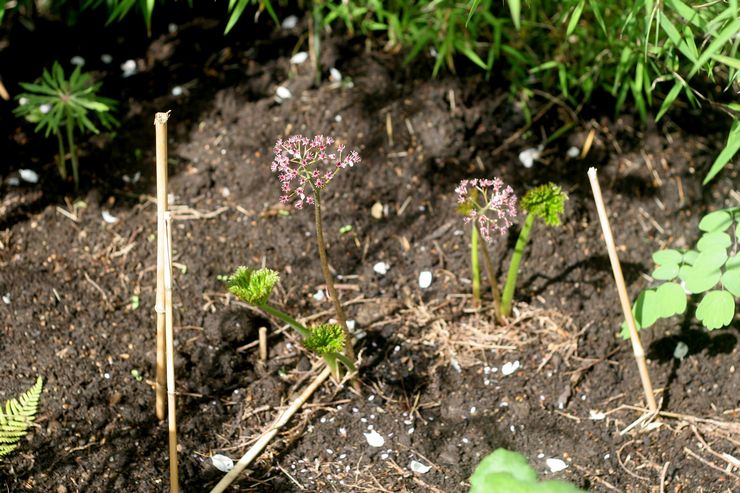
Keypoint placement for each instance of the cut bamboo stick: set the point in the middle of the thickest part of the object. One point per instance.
(160, 126)
(263, 343)
(624, 299)
(270, 433)
(170, 352)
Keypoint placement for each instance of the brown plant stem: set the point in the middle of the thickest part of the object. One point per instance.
(160, 126)
(329, 280)
(491, 273)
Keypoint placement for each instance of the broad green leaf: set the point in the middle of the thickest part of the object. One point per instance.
(647, 308)
(731, 276)
(671, 299)
(504, 461)
(710, 259)
(670, 256)
(715, 221)
(697, 281)
(665, 272)
(690, 257)
(717, 239)
(716, 309)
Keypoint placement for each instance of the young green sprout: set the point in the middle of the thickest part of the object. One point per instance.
(60, 106)
(254, 287)
(546, 202)
(712, 269)
(305, 167)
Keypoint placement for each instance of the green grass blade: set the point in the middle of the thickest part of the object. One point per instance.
(669, 99)
(515, 8)
(731, 148)
(722, 38)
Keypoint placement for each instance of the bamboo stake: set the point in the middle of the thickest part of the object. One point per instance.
(263, 343)
(268, 435)
(624, 299)
(170, 356)
(160, 126)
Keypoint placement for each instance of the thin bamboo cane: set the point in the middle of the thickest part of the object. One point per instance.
(268, 435)
(624, 299)
(160, 126)
(170, 352)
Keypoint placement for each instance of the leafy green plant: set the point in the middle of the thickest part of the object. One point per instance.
(491, 208)
(60, 106)
(711, 269)
(254, 287)
(503, 471)
(19, 414)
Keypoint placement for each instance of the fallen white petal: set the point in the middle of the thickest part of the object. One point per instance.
(335, 75)
(283, 92)
(425, 279)
(351, 325)
(78, 61)
(556, 465)
(319, 295)
(510, 368)
(177, 91)
(381, 268)
(374, 439)
(596, 415)
(417, 466)
(6, 298)
(573, 151)
(108, 217)
(289, 22)
(106, 58)
(529, 156)
(299, 58)
(222, 463)
(29, 175)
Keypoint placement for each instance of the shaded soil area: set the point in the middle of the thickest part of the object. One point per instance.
(79, 292)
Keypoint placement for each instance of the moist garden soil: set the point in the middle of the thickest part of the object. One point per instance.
(79, 291)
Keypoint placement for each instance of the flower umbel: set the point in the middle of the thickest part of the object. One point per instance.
(489, 203)
(301, 162)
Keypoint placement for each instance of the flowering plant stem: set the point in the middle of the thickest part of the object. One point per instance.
(474, 265)
(341, 317)
(72, 151)
(490, 271)
(516, 259)
(285, 318)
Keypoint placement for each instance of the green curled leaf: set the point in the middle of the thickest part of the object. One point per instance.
(325, 339)
(253, 286)
(546, 202)
(716, 309)
(715, 221)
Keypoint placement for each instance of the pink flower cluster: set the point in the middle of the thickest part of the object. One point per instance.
(490, 203)
(301, 162)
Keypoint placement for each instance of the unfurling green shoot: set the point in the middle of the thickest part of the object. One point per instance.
(546, 202)
(712, 269)
(18, 415)
(324, 339)
(253, 286)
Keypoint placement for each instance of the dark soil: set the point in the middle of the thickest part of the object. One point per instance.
(431, 375)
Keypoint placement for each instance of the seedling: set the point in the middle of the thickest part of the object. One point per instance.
(17, 417)
(711, 269)
(305, 167)
(327, 340)
(60, 106)
(503, 471)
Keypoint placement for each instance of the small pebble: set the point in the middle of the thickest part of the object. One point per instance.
(6, 298)
(381, 268)
(319, 295)
(106, 58)
(129, 68)
(177, 91)
(222, 463)
(573, 151)
(108, 217)
(29, 175)
(510, 368)
(417, 466)
(283, 93)
(556, 465)
(172, 28)
(374, 439)
(289, 22)
(335, 75)
(299, 58)
(425, 279)
(45, 108)
(528, 156)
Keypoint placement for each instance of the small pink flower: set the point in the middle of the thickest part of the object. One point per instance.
(490, 204)
(308, 161)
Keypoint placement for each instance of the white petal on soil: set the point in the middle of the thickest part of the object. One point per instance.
(319, 295)
(425, 279)
(106, 58)
(381, 268)
(417, 466)
(556, 465)
(529, 156)
(573, 151)
(222, 463)
(596, 415)
(177, 91)
(510, 368)
(129, 68)
(109, 218)
(682, 349)
(335, 75)
(299, 58)
(283, 92)
(78, 61)
(6, 298)
(374, 439)
(29, 175)
(351, 324)
(289, 22)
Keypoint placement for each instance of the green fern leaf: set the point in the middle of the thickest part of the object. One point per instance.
(18, 415)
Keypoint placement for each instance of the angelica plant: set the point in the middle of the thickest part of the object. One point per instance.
(491, 207)
(61, 106)
(546, 202)
(254, 287)
(711, 269)
(305, 167)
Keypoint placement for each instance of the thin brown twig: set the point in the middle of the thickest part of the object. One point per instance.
(710, 464)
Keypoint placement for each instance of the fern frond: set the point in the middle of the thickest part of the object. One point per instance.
(18, 415)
